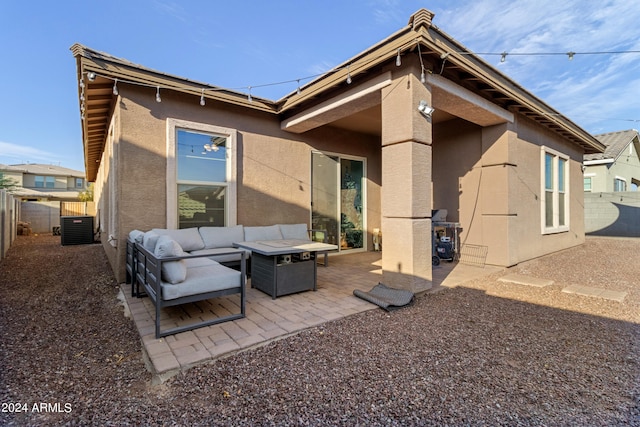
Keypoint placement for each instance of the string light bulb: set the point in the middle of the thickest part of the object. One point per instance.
(249, 97)
(91, 76)
(202, 102)
(158, 99)
(349, 74)
(570, 55)
(398, 60)
(423, 78)
(298, 90)
(115, 87)
(503, 56)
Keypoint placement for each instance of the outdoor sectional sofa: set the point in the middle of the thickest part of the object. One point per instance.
(176, 267)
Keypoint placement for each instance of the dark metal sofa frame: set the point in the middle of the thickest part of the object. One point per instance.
(147, 272)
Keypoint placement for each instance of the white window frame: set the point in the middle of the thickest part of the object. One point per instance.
(173, 125)
(590, 176)
(556, 227)
(621, 179)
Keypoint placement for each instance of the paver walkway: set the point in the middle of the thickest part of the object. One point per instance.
(267, 319)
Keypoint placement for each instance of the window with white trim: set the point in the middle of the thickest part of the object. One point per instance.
(201, 175)
(555, 191)
(619, 184)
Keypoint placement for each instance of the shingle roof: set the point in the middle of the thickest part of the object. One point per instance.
(42, 169)
(615, 143)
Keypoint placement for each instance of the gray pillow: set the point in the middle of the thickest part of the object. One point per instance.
(172, 271)
(188, 238)
(149, 240)
(294, 231)
(136, 236)
(269, 232)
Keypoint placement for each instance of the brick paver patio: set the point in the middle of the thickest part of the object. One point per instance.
(266, 319)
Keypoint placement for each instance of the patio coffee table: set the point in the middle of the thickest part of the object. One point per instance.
(283, 267)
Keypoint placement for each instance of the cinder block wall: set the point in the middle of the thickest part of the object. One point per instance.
(612, 214)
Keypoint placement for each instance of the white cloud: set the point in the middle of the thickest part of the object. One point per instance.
(15, 154)
(586, 89)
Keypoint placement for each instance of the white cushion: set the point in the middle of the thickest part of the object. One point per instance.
(221, 237)
(149, 240)
(136, 236)
(203, 279)
(188, 238)
(269, 232)
(294, 231)
(172, 271)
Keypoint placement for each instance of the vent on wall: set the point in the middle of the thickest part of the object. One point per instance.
(76, 230)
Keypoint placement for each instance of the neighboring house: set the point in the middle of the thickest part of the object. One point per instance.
(354, 150)
(618, 168)
(39, 182)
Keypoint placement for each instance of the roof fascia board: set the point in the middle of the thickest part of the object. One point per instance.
(440, 42)
(491, 113)
(598, 162)
(112, 68)
(324, 112)
(376, 55)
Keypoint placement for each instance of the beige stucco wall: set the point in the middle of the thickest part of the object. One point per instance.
(489, 179)
(273, 166)
(625, 167)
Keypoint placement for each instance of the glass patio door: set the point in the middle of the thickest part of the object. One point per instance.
(337, 199)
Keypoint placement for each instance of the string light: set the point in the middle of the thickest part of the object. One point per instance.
(91, 76)
(423, 78)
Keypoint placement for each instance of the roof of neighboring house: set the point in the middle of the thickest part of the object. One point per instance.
(42, 169)
(615, 143)
(438, 52)
(45, 193)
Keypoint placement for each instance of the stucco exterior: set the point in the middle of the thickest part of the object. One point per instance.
(620, 162)
(481, 158)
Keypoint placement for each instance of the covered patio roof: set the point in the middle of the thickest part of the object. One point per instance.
(486, 95)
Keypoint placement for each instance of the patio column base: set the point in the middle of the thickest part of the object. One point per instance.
(406, 259)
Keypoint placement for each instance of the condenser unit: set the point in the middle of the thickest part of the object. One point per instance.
(76, 230)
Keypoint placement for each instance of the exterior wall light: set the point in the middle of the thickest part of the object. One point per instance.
(425, 109)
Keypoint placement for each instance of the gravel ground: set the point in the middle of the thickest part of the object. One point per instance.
(486, 353)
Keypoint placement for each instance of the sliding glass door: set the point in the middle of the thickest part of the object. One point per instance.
(338, 199)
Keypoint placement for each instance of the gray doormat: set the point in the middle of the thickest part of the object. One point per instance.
(386, 297)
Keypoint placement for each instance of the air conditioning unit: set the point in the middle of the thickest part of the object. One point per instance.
(76, 230)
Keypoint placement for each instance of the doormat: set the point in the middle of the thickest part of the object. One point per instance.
(386, 297)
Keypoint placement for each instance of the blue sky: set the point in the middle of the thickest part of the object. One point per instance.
(253, 43)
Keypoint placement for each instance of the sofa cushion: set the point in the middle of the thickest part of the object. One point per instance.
(222, 258)
(206, 278)
(221, 237)
(172, 271)
(294, 231)
(188, 238)
(136, 236)
(269, 232)
(149, 240)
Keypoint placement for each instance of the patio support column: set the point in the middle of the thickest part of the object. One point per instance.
(406, 185)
